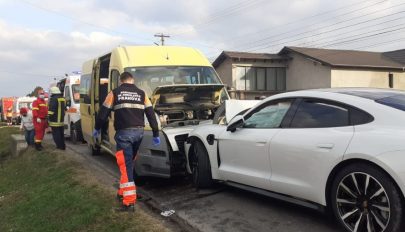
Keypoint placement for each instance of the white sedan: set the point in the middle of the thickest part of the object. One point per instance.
(336, 149)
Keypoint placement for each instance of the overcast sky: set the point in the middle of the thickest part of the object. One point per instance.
(42, 40)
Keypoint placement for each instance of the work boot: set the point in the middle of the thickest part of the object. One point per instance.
(38, 147)
(120, 198)
(126, 208)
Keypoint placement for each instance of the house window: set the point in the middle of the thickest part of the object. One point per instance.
(250, 78)
(260, 79)
(240, 82)
(271, 79)
(281, 78)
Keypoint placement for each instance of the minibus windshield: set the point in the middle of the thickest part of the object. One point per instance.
(148, 78)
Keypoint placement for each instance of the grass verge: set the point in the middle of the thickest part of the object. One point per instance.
(45, 191)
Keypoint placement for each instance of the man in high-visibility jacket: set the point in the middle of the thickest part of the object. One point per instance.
(56, 115)
(39, 113)
(130, 104)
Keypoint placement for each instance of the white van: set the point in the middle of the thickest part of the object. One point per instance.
(69, 86)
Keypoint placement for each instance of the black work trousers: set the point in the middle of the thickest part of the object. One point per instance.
(59, 137)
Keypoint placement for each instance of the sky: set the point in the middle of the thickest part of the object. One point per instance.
(40, 41)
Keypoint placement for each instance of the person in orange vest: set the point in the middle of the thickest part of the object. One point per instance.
(130, 104)
(9, 116)
(40, 113)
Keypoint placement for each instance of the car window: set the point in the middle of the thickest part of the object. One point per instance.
(269, 116)
(358, 117)
(318, 114)
(397, 101)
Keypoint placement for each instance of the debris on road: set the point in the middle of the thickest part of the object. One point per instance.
(167, 213)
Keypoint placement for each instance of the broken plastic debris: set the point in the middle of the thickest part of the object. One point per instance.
(167, 213)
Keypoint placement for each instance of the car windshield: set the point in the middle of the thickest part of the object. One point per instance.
(397, 101)
(76, 93)
(148, 78)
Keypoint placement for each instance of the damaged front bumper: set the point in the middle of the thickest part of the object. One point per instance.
(166, 160)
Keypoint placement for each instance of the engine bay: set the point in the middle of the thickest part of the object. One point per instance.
(187, 105)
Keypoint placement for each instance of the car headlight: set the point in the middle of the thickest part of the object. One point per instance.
(189, 114)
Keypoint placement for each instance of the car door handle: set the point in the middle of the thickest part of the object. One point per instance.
(325, 145)
(261, 143)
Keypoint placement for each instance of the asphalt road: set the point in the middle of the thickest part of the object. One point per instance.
(222, 208)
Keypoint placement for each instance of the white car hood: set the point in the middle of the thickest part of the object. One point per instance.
(172, 132)
(234, 107)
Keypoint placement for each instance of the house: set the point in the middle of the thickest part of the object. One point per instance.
(295, 68)
(251, 75)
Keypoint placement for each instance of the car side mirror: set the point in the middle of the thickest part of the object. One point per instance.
(236, 122)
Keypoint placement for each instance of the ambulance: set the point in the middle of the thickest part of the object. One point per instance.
(183, 87)
(5, 104)
(70, 86)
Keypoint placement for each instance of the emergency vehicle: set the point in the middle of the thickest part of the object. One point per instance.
(6, 103)
(184, 89)
(69, 86)
(19, 103)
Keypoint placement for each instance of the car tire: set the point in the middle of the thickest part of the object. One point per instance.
(365, 198)
(76, 133)
(78, 127)
(73, 133)
(139, 180)
(95, 150)
(200, 166)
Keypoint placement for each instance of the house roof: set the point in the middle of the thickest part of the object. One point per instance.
(350, 58)
(398, 55)
(246, 55)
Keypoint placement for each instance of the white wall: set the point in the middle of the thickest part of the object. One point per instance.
(225, 72)
(303, 73)
(366, 78)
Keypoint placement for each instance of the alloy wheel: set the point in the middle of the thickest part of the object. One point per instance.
(363, 203)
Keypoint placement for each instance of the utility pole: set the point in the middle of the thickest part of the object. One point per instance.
(162, 38)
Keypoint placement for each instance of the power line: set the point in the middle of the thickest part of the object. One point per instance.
(263, 42)
(334, 24)
(83, 22)
(363, 36)
(382, 43)
(260, 43)
(355, 30)
(223, 13)
(162, 38)
(263, 46)
(314, 16)
(107, 28)
(366, 36)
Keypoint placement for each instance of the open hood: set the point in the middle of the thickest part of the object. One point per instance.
(186, 104)
(187, 88)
